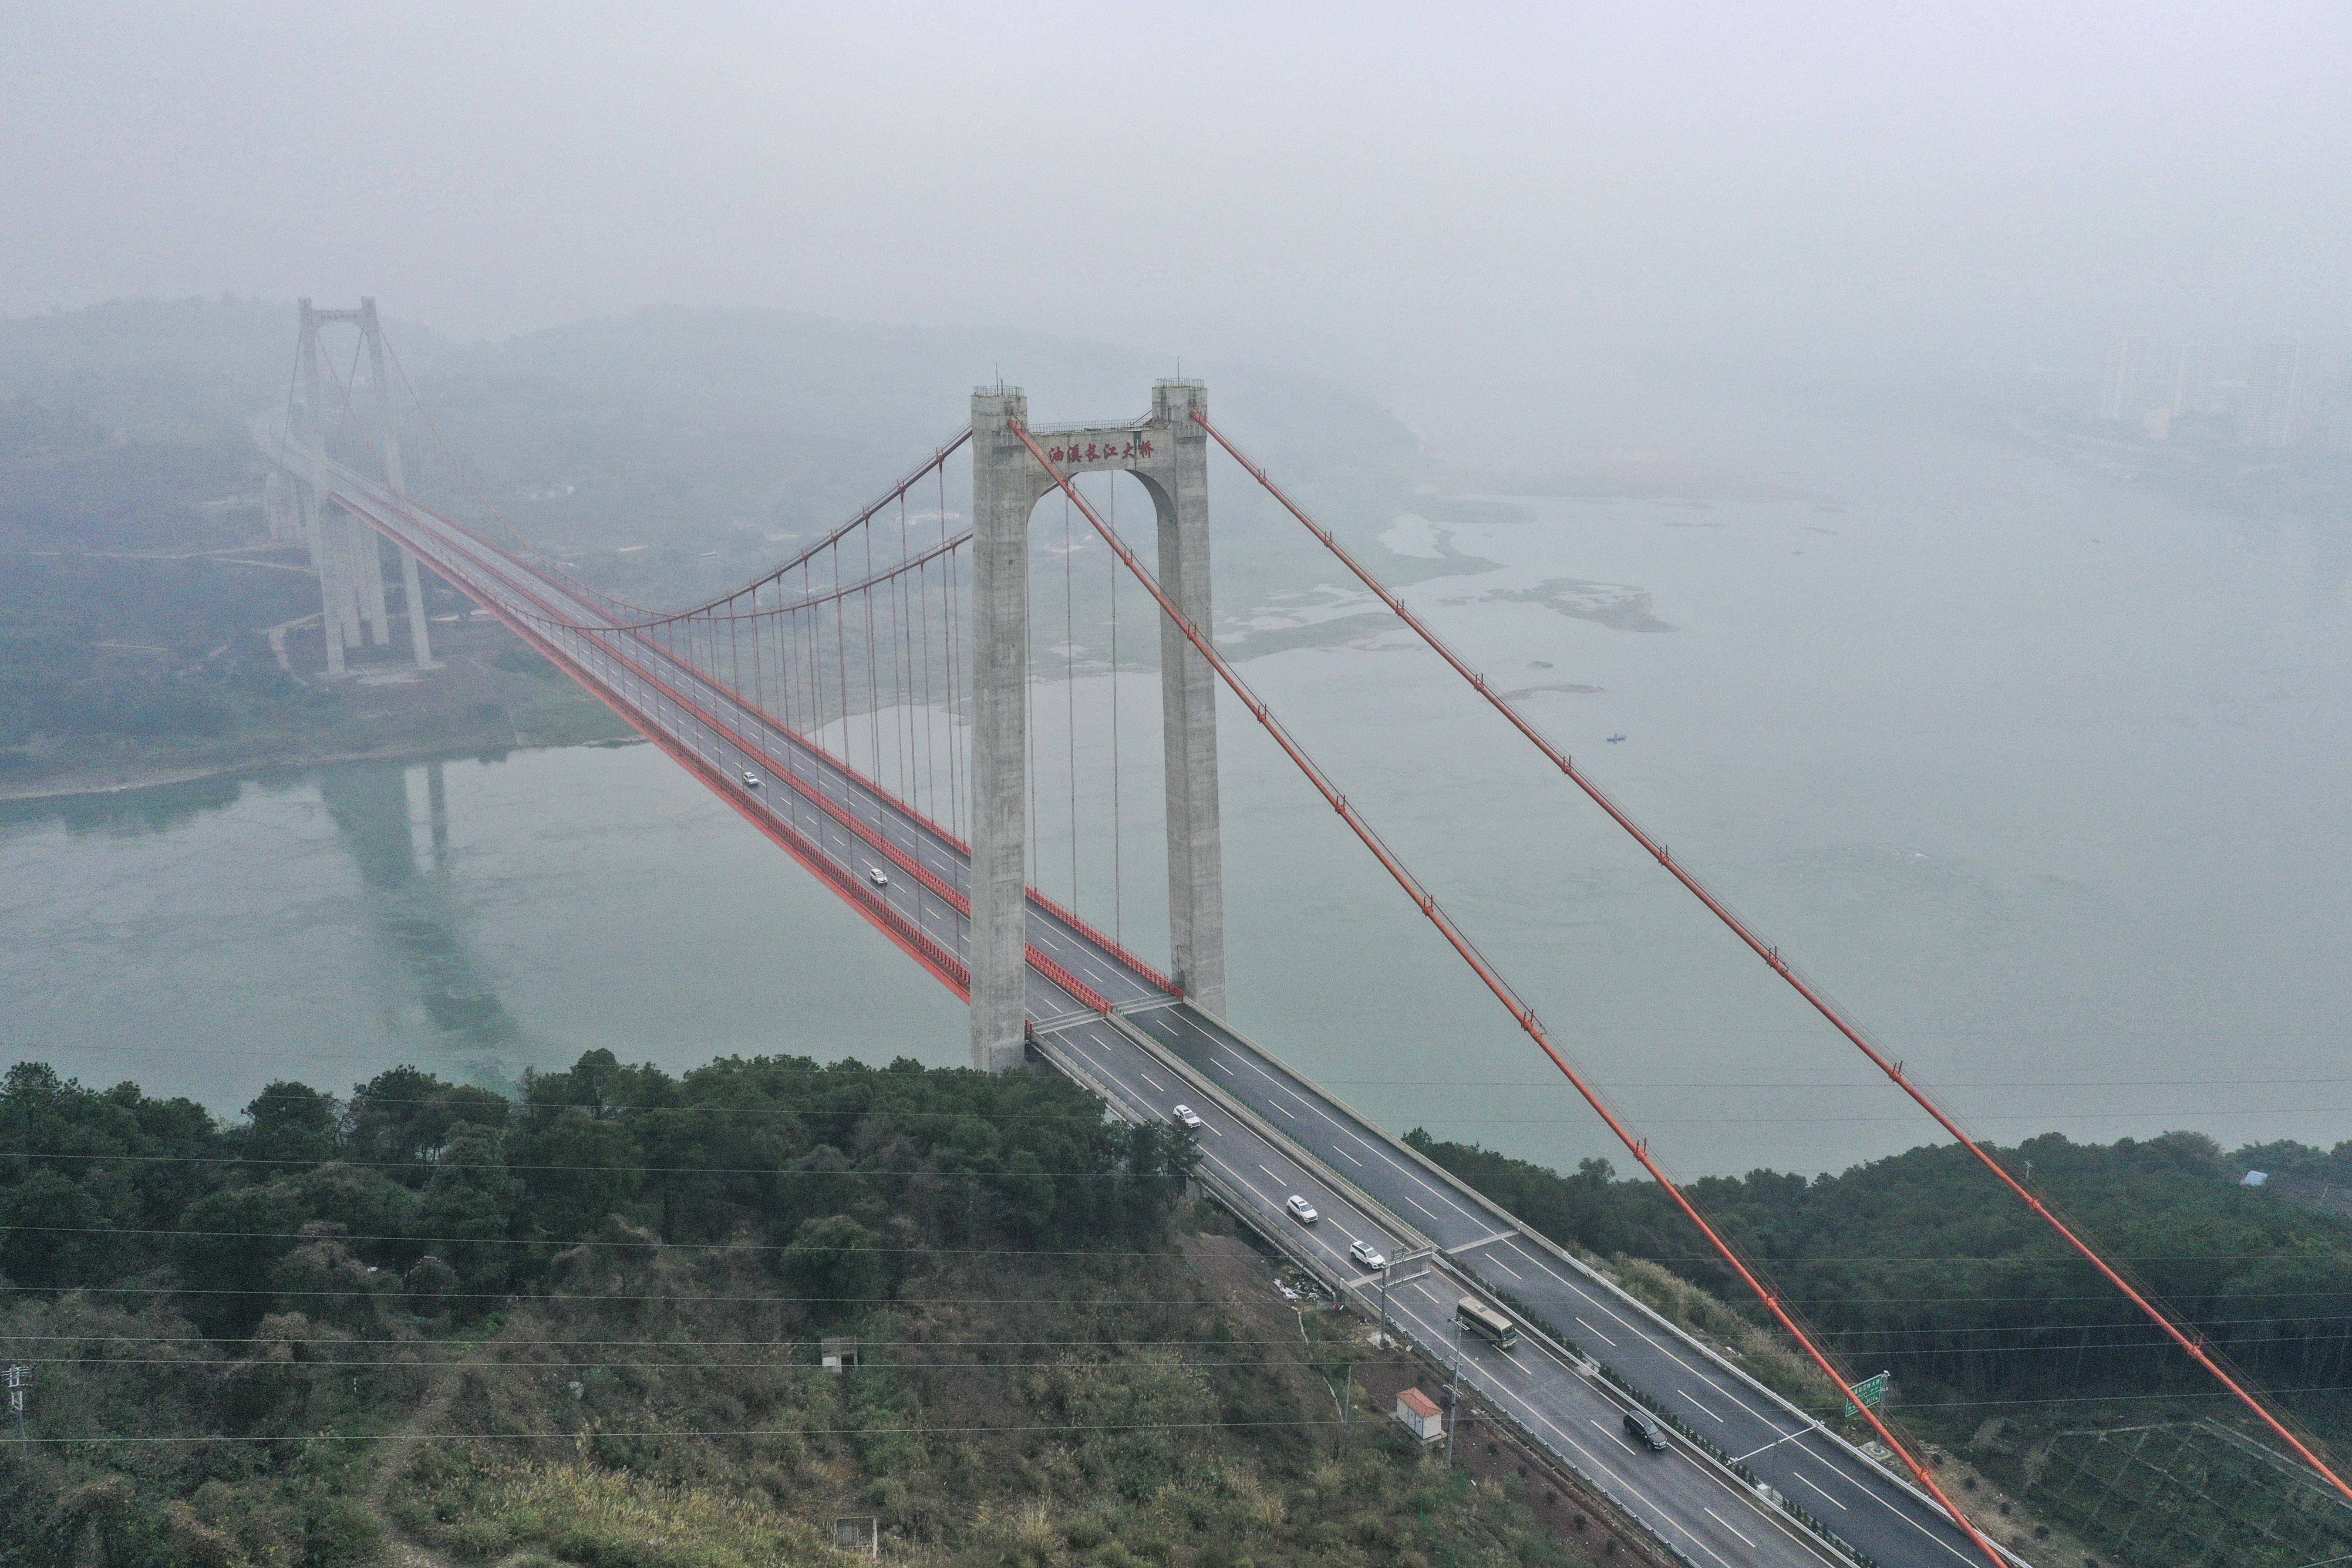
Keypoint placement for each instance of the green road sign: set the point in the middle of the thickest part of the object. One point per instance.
(1871, 1391)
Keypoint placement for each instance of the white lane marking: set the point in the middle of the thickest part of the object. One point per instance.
(1345, 1155)
(1221, 1067)
(1270, 1174)
(1286, 1113)
(1686, 1395)
(1505, 1267)
(1334, 1120)
(1409, 1198)
(1596, 1333)
(1775, 1443)
(1726, 1524)
(1873, 1495)
(1614, 1438)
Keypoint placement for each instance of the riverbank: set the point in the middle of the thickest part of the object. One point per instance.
(255, 768)
(487, 693)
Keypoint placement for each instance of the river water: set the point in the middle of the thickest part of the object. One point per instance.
(2042, 776)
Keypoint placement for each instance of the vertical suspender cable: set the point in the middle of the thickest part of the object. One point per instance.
(1118, 892)
(2114, 1273)
(902, 673)
(1070, 692)
(873, 675)
(1502, 989)
(931, 720)
(841, 649)
(957, 772)
(903, 657)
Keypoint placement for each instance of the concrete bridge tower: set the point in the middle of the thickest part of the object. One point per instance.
(1169, 454)
(348, 561)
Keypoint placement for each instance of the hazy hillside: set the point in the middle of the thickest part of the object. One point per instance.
(667, 426)
(664, 454)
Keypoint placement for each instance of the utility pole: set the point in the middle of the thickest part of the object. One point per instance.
(1384, 1304)
(1452, 1398)
(20, 1381)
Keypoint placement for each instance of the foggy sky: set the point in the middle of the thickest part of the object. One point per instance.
(1469, 201)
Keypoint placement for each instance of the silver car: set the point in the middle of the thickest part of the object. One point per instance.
(878, 877)
(1301, 1210)
(1185, 1114)
(750, 781)
(1371, 1257)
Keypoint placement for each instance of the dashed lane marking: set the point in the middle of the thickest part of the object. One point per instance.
(1686, 1395)
(1809, 1481)
(1613, 1438)
(1727, 1525)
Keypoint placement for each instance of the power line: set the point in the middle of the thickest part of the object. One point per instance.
(762, 1297)
(570, 1363)
(664, 1432)
(360, 1290)
(1786, 1261)
(537, 1342)
(599, 1169)
(619, 1245)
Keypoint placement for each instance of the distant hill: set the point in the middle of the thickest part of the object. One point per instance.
(664, 455)
(668, 426)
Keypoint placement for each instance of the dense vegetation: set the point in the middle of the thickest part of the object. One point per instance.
(143, 649)
(1921, 1265)
(578, 1327)
(833, 1169)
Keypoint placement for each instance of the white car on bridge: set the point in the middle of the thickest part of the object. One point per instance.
(1301, 1210)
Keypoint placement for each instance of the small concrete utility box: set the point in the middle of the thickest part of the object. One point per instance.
(837, 1353)
(1421, 1416)
(859, 1535)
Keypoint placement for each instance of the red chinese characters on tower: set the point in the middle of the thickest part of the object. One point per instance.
(1099, 451)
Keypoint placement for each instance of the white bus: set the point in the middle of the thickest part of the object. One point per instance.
(1485, 1322)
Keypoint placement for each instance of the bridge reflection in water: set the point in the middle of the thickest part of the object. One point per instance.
(411, 909)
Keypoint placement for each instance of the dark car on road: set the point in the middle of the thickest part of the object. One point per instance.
(1644, 1431)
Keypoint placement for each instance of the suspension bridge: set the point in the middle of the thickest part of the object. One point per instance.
(868, 706)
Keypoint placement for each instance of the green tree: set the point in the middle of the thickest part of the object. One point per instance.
(835, 1263)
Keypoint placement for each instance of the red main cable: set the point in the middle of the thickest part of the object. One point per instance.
(1788, 972)
(1495, 981)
